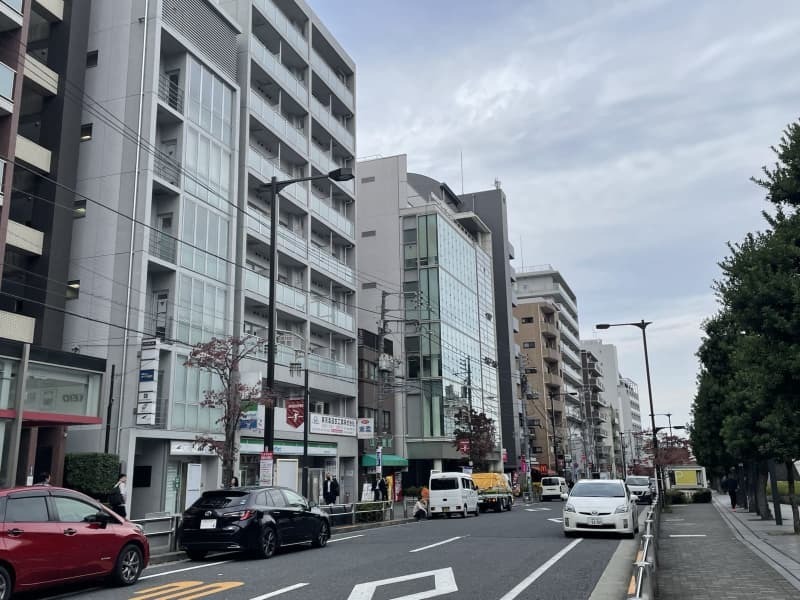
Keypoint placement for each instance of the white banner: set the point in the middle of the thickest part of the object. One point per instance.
(366, 428)
(331, 425)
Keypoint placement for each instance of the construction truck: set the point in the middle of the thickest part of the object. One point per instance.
(494, 491)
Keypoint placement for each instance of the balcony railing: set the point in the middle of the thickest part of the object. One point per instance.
(288, 241)
(267, 167)
(326, 164)
(15, 4)
(327, 75)
(284, 26)
(326, 366)
(170, 93)
(274, 67)
(327, 262)
(167, 169)
(163, 246)
(7, 75)
(253, 282)
(284, 294)
(161, 326)
(269, 115)
(332, 216)
(331, 123)
(324, 309)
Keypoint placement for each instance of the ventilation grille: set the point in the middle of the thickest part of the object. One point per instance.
(203, 26)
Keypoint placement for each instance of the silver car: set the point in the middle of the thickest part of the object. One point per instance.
(640, 487)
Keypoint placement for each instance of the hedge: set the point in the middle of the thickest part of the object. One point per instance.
(701, 496)
(675, 497)
(92, 473)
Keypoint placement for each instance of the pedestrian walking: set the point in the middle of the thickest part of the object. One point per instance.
(327, 490)
(732, 485)
(420, 510)
(383, 489)
(118, 496)
(334, 490)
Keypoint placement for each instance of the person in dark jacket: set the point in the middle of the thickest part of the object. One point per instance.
(334, 490)
(327, 490)
(382, 489)
(731, 486)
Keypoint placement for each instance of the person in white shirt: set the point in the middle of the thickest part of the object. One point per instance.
(119, 496)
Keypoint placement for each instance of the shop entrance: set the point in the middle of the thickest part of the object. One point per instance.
(41, 450)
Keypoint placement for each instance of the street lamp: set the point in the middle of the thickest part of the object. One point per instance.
(275, 186)
(669, 419)
(553, 423)
(643, 326)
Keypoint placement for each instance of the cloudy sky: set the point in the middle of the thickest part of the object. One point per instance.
(624, 135)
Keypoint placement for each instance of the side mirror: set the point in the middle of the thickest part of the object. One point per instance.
(312, 504)
(100, 518)
(565, 496)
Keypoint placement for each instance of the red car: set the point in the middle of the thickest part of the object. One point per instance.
(51, 536)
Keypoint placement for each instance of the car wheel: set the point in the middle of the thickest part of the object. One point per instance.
(129, 565)
(464, 513)
(569, 534)
(6, 584)
(196, 554)
(322, 536)
(477, 511)
(268, 543)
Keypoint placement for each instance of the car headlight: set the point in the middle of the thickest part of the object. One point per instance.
(622, 508)
(569, 508)
(139, 527)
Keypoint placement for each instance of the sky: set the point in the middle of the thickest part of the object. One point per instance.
(623, 133)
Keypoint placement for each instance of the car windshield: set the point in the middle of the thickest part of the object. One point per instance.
(444, 484)
(637, 481)
(549, 481)
(221, 499)
(595, 489)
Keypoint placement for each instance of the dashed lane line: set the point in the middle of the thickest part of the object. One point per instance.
(290, 588)
(203, 566)
(349, 537)
(447, 541)
(525, 583)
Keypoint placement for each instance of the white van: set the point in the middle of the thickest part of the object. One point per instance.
(553, 487)
(452, 493)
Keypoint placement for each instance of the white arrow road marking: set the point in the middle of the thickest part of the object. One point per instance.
(349, 537)
(522, 585)
(452, 539)
(444, 583)
(556, 520)
(203, 566)
(280, 591)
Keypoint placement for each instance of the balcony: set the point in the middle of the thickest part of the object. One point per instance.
(24, 238)
(161, 325)
(270, 116)
(253, 282)
(272, 65)
(167, 169)
(596, 383)
(170, 93)
(570, 354)
(325, 163)
(328, 311)
(33, 154)
(331, 216)
(548, 329)
(284, 294)
(322, 260)
(42, 78)
(551, 354)
(163, 246)
(551, 379)
(332, 124)
(7, 76)
(326, 366)
(266, 168)
(515, 324)
(285, 27)
(16, 327)
(53, 10)
(574, 414)
(288, 241)
(332, 80)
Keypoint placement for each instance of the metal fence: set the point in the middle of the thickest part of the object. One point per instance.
(643, 580)
(161, 530)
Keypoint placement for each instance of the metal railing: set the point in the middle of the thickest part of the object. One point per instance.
(359, 512)
(170, 92)
(161, 531)
(643, 580)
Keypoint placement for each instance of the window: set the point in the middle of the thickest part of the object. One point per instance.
(71, 510)
(367, 179)
(275, 498)
(293, 499)
(73, 289)
(370, 233)
(27, 510)
(387, 420)
(371, 285)
(79, 209)
(537, 450)
(86, 132)
(531, 370)
(529, 344)
(91, 59)
(527, 319)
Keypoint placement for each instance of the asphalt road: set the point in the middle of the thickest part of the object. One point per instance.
(496, 556)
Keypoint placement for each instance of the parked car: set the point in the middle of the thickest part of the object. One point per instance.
(604, 505)
(254, 519)
(53, 536)
(639, 485)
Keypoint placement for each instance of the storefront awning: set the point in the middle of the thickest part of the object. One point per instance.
(387, 460)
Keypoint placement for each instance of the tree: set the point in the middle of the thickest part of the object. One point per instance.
(222, 357)
(474, 436)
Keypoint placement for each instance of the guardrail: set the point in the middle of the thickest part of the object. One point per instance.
(161, 532)
(643, 580)
(359, 512)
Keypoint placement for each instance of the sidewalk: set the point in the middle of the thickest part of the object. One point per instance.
(709, 551)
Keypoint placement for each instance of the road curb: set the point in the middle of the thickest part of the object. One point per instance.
(613, 583)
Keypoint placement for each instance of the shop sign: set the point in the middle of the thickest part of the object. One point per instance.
(331, 425)
(188, 448)
(295, 412)
(252, 422)
(366, 428)
(266, 469)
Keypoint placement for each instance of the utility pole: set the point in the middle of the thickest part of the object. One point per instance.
(382, 328)
(469, 399)
(553, 424)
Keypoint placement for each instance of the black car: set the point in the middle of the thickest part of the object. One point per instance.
(253, 519)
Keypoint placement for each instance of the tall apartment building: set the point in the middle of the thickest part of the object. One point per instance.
(224, 95)
(630, 418)
(45, 391)
(491, 208)
(415, 240)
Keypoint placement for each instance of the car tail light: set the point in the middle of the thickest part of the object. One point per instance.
(243, 515)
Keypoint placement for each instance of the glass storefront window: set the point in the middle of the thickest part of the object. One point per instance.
(8, 382)
(5, 436)
(62, 391)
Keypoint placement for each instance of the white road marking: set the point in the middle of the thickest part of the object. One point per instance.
(444, 583)
(203, 566)
(349, 537)
(674, 520)
(296, 586)
(556, 520)
(688, 535)
(452, 539)
(536, 509)
(522, 585)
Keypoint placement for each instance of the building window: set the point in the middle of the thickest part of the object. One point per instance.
(79, 209)
(537, 450)
(370, 233)
(367, 179)
(86, 132)
(531, 370)
(370, 285)
(73, 289)
(529, 344)
(387, 421)
(91, 59)
(527, 319)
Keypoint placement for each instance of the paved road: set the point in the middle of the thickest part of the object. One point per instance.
(497, 556)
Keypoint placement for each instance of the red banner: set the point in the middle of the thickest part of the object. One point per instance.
(295, 412)
(463, 446)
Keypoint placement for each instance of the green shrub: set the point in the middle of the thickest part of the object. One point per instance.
(412, 492)
(675, 497)
(701, 496)
(369, 512)
(92, 473)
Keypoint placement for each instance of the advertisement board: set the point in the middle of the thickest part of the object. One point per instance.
(331, 425)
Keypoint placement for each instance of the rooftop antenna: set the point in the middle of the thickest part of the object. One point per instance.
(521, 255)
(497, 183)
(462, 170)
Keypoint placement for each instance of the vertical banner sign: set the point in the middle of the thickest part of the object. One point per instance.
(379, 460)
(266, 466)
(295, 412)
(146, 406)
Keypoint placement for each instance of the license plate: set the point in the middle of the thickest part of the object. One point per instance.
(595, 521)
(208, 524)
(445, 508)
